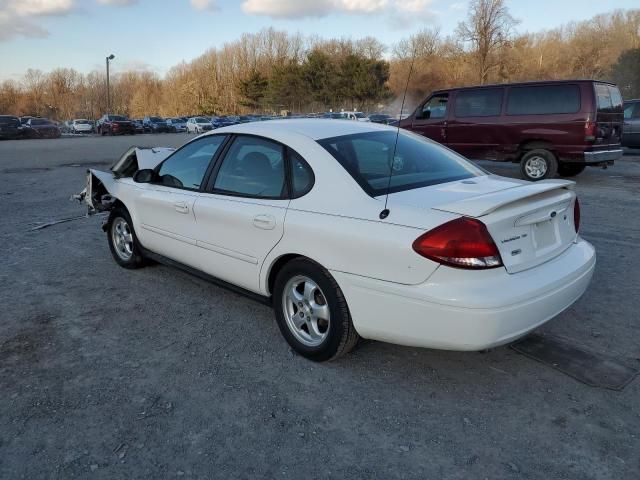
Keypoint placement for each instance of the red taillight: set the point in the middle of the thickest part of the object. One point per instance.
(576, 215)
(590, 131)
(463, 243)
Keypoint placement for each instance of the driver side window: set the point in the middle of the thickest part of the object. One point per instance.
(186, 168)
(436, 107)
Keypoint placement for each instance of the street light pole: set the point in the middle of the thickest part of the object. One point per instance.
(110, 57)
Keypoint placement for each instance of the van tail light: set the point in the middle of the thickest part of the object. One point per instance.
(462, 243)
(590, 131)
(576, 215)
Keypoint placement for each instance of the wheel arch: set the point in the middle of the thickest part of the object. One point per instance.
(534, 144)
(278, 264)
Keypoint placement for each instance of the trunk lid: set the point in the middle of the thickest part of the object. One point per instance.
(530, 223)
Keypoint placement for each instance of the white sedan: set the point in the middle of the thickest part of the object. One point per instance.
(347, 235)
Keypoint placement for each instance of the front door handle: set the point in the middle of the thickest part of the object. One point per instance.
(265, 222)
(181, 207)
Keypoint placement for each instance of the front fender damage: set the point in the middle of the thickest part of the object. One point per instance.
(100, 193)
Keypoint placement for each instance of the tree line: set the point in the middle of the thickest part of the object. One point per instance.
(272, 70)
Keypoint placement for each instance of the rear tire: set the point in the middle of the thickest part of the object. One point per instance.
(311, 312)
(122, 239)
(571, 169)
(538, 164)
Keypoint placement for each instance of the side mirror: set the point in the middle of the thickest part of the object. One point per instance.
(144, 176)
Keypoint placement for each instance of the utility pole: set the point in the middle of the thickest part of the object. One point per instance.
(110, 57)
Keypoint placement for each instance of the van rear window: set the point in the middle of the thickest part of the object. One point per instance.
(543, 99)
(609, 98)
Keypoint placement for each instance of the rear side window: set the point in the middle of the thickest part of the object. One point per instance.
(543, 99)
(369, 158)
(486, 102)
(302, 178)
(608, 98)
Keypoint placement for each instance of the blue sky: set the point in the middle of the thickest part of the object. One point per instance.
(157, 34)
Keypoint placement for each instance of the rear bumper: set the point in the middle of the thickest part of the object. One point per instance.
(602, 156)
(468, 310)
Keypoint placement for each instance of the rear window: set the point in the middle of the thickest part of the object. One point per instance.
(6, 120)
(38, 121)
(417, 162)
(543, 99)
(116, 118)
(486, 102)
(608, 98)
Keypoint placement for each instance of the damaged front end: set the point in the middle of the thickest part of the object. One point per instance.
(100, 194)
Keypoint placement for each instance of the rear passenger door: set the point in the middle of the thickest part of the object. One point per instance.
(241, 217)
(430, 119)
(474, 126)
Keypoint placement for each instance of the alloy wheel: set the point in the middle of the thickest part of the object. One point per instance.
(306, 311)
(122, 238)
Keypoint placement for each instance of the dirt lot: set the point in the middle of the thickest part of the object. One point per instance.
(109, 373)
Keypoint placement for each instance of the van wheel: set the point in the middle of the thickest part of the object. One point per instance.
(123, 242)
(570, 169)
(311, 311)
(538, 164)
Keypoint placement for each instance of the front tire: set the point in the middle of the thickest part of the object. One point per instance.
(123, 241)
(312, 313)
(571, 169)
(538, 164)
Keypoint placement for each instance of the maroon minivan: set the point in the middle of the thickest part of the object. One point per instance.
(551, 127)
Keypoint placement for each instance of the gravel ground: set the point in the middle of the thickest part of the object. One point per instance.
(109, 373)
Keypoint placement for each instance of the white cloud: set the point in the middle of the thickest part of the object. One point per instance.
(399, 13)
(317, 8)
(16, 16)
(40, 7)
(118, 3)
(203, 5)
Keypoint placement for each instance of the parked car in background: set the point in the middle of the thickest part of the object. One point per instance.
(156, 124)
(198, 125)
(548, 127)
(380, 118)
(10, 127)
(176, 124)
(115, 125)
(81, 125)
(333, 115)
(631, 129)
(138, 125)
(358, 116)
(25, 120)
(289, 211)
(41, 128)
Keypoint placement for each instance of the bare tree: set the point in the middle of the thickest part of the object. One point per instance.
(488, 28)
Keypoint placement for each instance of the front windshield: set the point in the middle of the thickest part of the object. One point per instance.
(201, 120)
(417, 162)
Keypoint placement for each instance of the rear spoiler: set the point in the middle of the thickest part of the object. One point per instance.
(487, 203)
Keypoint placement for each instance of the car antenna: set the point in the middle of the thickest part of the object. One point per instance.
(385, 212)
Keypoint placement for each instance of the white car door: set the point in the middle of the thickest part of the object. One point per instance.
(165, 208)
(241, 217)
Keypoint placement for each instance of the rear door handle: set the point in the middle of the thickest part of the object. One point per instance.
(265, 222)
(181, 207)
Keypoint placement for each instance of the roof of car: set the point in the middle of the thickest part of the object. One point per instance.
(532, 82)
(314, 128)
